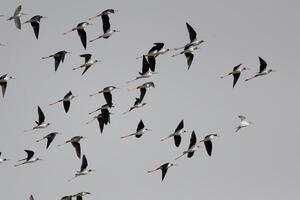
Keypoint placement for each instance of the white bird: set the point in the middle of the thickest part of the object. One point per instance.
(58, 57)
(3, 82)
(164, 168)
(177, 134)
(262, 69)
(194, 146)
(88, 62)
(35, 23)
(2, 160)
(16, 17)
(141, 130)
(40, 124)
(81, 32)
(207, 142)
(236, 72)
(66, 101)
(83, 168)
(29, 159)
(243, 123)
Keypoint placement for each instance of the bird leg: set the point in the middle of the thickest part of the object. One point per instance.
(150, 171)
(128, 135)
(55, 102)
(185, 152)
(47, 57)
(96, 38)
(73, 29)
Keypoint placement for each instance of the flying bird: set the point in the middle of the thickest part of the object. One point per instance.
(207, 142)
(147, 70)
(194, 146)
(164, 168)
(188, 52)
(50, 137)
(107, 94)
(105, 12)
(35, 23)
(156, 50)
(177, 134)
(2, 160)
(141, 130)
(58, 57)
(75, 143)
(29, 159)
(243, 123)
(3, 82)
(262, 69)
(81, 32)
(236, 72)
(103, 118)
(83, 168)
(88, 62)
(137, 104)
(66, 101)
(105, 106)
(16, 17)
(40, 124)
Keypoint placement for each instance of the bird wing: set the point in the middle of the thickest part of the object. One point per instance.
(108, 98)
(145, 65)
(68, 94)
(85, 69)
(193, 139)
(152, 62)
(18, 22)
(76, 145)
(36, 28)
(180, 126)
(84, 163)
(86, 57)
(242, 117)
(3, 76)
(208, 146)
(31, 197)
(105, 23)
(50, 138)
(18, 10)
(235, 78)
(140, 126)
(189, 59)
(142, 93)
(29, 154)
(177, 140)
(79, 198)
(101, 123)
(263, 64)
(192, 32)
(190, 154)
(3, 85)
(157, 46)
(66, 198)
(41, 115)
(105, 116)
(82, 35)
(56, 62)
(236, 67)
(164, 169)
(66, 105)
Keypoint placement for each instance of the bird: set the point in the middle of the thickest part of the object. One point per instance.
(107, 32)
(58, 57)
(66, 101)
(75, 143)
(3, 82)
(194, 146)
(2, 160)
(50, 137)
(137, 104)
(141, 130)
(147, 70)
(80, 195)
(81, 32)
(177, 134)
(105, 106)
(156, 50)
(31, 197)
(16, 17)
(145, 85)
(83, 168)
(236, 72)
(105, 12)
(40, 124)
(29, 159)
(164, 168)
(107, 94)
(262, 70)
(35, 23)
(88, 62)
(207, 142)
(188, 52)
(103, 118)
(244, 123)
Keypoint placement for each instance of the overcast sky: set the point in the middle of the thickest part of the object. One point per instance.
(260, 162)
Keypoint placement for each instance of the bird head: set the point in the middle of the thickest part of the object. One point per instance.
(115, 31)
(245, 68)
(271, 70)
(91, 170)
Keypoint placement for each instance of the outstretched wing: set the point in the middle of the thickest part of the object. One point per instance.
(140, 126)
(29, 154)
(263, 64)
(192, 32)
(180, 126)
(82, 35)
(208, 146)
(76, 145)
(84, 163)
(86, 57)
(105, 23)
(36, 28)
(41, 115)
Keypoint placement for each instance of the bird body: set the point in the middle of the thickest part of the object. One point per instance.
(141, 130)
(87, 63)
(236, 72)
(262, 70)
(164, 168)
(75, 143)
(35, 23)
(188, 52)
(40, 124)
(28, 159)
(177, 134)
(2, 160)
(207, 142)
(194, 146)
(66, 101)
(50, 137)
(81, 32)
(58, 57)
(83, 169)
(137, 104)
(16, 17)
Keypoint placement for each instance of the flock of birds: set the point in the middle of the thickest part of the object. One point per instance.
(103, 118)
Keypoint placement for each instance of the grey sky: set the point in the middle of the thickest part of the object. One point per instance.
(260, 162)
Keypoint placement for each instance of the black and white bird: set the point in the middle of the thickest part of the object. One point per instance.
(107, 32)
(2, 160)
(50, 137)
(144, 85)
(80, 195)
(40, 124)
(105, 12)
(236, 72)
(58, 57)
(107, 94)
(177, 134)
(16, 17)
(3, 82)
(66, 101)
(141, 130)
(164, 168)
(88, 62)
(35, 23)
(194, 146)
(243, 123)
(147, 70)
(81, 32)
(28, 159)
(262, 70)
(105, 106)
(137, 104)
(103, 118)
(207, 142)
(156, 50)
(75, 143)
(188, 52)
(83, 168)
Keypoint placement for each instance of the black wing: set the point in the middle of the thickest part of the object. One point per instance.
(31, 197)
(85, 69)
(140, 126)
(236, 67)
(68, 94)
(56, 62)
(177, 139)
(108, 98)
(36, 28)
(180, 126)
(82, 35)
(86, 57)
(235, 78)
(145, 65)
(105, 116)
(152, 62)
(29, 154)
(189, 59)
(76, 145)
(190, 154)
(164, 169)
(192, 32)
(3, 85)
(66, 198)
(3, 76)
(263, 64)
(157, 47)
(208, 146)
(66, 105)
(193, 139)
(84, 163)
(79, 198)
(101, 123)
(50, 138)
(41, 115)
(143, 92)
(105, 23)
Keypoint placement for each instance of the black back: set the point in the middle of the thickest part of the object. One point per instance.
(77, 147)
(41, 116)
(263, 64)
(208, 146)
(108, 98)
(84, 163)
(82, 35)
(192, 32)
(140, 126)
(105, 23)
